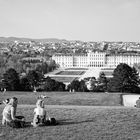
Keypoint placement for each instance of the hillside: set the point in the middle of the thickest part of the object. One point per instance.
(12, 39)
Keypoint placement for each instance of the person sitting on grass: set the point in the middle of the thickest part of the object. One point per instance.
(9, 114)
(39, 114)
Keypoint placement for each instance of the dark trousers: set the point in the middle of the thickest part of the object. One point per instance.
(17, 124)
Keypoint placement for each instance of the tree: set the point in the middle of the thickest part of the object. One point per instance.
(102, 82)
(49, 84)
(59, 86)
(125, 79)
(132, 84)
(83, 86)
(34, 78)
(74, 85)
(3, 61)
(79, 86)
(43, 68)
(52, 85)
(25, 84)
(11, 80)
(105, 47)
(91, 83)
(52, 65)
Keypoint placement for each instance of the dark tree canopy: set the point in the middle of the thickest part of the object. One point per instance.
(43, 68)
(77, 85)
(11, 80)
(52, 85)
(102, 82)
(34, 78)
(125, 79)
(25, 84)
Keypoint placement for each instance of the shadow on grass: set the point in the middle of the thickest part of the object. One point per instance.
(59, 122)
(28, 124)
(69, 121)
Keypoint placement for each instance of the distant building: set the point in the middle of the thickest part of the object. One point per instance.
(95, 59)
(91, 59)
(63, 60)
(112, 60)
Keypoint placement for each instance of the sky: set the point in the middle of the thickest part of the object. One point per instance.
(85, 20)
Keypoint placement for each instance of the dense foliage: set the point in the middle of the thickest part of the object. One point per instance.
(11, 80)
(125, 79)
(31, 81)
(52, 85)
(77, 85)
(22, 63)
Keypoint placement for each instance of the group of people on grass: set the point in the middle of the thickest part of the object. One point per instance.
(9, 117)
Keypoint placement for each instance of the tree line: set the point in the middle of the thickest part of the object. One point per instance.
(23, 64)
(32, 81)
(125, 79)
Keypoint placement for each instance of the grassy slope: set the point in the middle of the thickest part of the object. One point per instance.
(67, 98)
(76, 122)
(80, 123)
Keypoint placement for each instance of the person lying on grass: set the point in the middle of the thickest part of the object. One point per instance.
(9, 114)
(40, 115)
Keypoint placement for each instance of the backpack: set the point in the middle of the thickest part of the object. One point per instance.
(51, 121)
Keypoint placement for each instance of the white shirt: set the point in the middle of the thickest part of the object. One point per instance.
(7, 113)
(39, 111)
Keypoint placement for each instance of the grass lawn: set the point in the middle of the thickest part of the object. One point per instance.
(76, 69)
(81, 116)
(70, 73)
(67, 98)
(79, 123)
(64, 79)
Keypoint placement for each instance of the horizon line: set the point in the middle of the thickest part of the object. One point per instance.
(42, 38)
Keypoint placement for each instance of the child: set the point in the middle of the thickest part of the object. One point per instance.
(39, 114)
(9, 114)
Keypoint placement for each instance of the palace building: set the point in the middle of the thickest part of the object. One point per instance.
(129, 58)
(95, 59)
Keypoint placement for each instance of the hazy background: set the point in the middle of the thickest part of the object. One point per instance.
(86, 20)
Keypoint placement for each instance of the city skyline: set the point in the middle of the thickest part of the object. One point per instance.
(85, 20)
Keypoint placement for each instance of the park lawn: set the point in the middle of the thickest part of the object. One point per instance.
(79, 123)
(70, 73)
(64, 79)
(67, 98)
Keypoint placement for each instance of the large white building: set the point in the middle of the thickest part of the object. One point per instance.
(129, 58)
(95, 59)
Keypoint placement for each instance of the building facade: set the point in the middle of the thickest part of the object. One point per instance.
(128, 58)
(95, 59)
